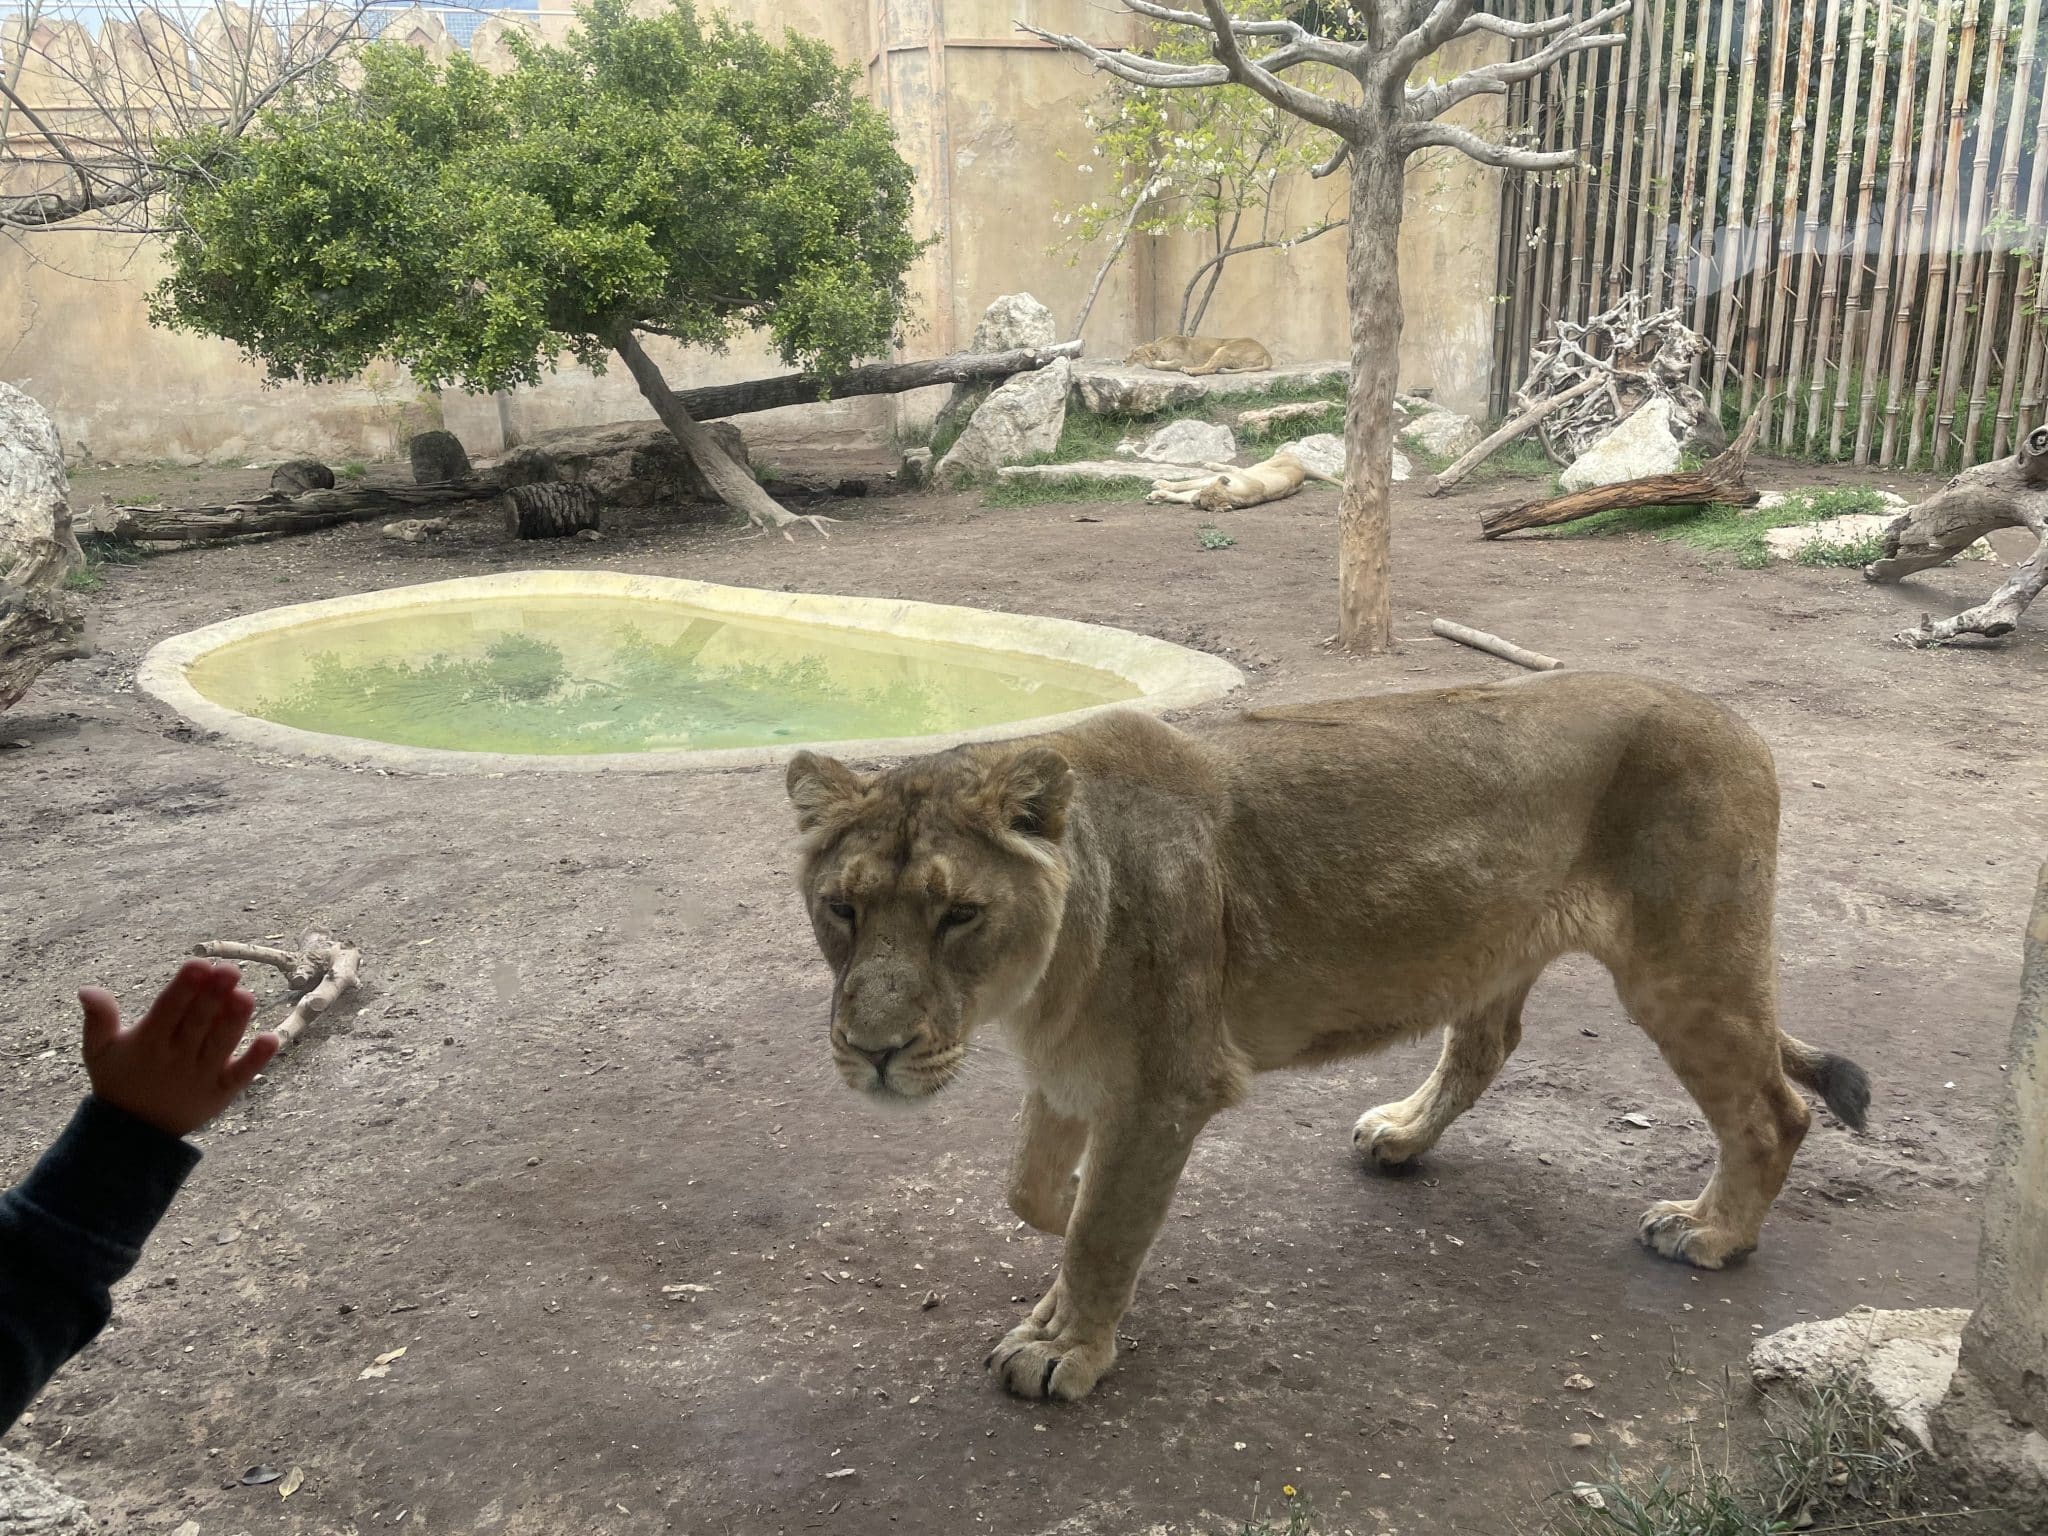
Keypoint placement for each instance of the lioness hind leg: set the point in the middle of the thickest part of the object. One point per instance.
(1043, 1180)
(1724, 1045)
(1475, 1049)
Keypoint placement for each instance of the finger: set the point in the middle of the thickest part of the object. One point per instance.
(102, 1019)
(167, 1013)
(254, 1058)
(205, 1008)
(218, 1041)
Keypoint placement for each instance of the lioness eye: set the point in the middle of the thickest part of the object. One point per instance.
(843, 910)
(959, 916)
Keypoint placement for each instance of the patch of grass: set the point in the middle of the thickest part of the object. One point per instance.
(1733, 530)
(1329, 419)
(1523, 459)
(1844, 552)
(1041, 492)
(100, 552)
(85, 578)
(1285, 392)
(1829, 1463)
(1214, 538)
(354, 469)
(1088, 436)
(1297, 1519)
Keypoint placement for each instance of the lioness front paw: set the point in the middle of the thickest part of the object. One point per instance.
(1674, 1229)
(1048, 1355)
(1389, 1137)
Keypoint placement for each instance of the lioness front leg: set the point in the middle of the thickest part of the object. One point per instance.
(1134, 1163)
(1043, 1181)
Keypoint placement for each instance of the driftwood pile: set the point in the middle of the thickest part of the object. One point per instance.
(1590, 377)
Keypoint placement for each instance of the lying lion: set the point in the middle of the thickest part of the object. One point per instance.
(1201, 355)
(1157, 916)
(1231, 489)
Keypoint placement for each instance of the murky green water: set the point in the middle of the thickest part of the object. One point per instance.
(599, 674)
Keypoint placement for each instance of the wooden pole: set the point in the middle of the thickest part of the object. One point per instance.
(1768, 231)
(1869, 332)
(2000, 254)
(1659, 210)
(2024, 325)
(1620, 272)
(1734, 241)
(1943, 250)
(1896, 182)
(1926, 186)
(1832, 270)
(1692, 264)
(1609, 59)
(1963, 313)
(1809, 255)
(1588, 183)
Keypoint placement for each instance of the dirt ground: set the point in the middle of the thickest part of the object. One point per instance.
(591, 1064)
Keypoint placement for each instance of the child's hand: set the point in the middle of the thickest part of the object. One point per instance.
(176, 1069)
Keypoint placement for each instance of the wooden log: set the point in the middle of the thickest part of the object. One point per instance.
(878, 379)
(1493, 645)
(1721, 479)
(287, 514)
(2007, 493)
(556, 511)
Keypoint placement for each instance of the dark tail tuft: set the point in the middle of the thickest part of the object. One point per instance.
(1843, 1086)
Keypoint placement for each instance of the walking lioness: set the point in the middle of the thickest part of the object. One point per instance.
(1157, 915)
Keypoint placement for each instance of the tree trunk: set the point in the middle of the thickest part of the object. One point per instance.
(287, 514)
(1373, 287)
(718, 400)
(735, 487)
(2008, 493)
(1720, 479)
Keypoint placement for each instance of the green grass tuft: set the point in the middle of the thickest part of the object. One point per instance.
(354, 469)
(1733, 530)
(1214, 538)
(1043, 492)
(1329, 419)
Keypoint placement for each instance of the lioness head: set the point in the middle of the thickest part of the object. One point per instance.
(1143, 355)
(936, 891)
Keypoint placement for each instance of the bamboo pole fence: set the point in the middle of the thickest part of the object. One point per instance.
(1847, 198)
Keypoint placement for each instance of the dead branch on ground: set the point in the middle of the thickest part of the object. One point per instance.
(1493, 645)
(1722, 479)
(319, 972)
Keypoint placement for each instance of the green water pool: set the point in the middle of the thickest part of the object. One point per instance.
(578, 674)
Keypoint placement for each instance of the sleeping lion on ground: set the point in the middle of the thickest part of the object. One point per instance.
(1157, 915)
(1201, 355)
(1231, 489)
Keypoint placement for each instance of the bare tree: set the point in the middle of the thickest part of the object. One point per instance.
(85, 121)
(1361, 91)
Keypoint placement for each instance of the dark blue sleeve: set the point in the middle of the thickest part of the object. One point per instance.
(71, 1229)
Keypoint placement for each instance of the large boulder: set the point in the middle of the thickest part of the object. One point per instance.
(1644, 444)
(437, 456)
(39, 621)
(1021, 420)
(1446, 434)
(1184, 442)
(295, 477)
(1015, 320)
(1324, 454)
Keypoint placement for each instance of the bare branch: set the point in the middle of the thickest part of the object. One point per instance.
(1494, 79)
(35, 122)
(1425, 36)
(1134, 67)
(1479, 21)
(1316, 49)
(1335, 163)
(1449, 136)
(1262, 78)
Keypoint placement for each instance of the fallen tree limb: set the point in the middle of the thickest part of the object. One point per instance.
(1721, 479)
(272, 513)
(2008, 493)
(319, 972)
(1493, 645)
(1507, 434)
(717, 400)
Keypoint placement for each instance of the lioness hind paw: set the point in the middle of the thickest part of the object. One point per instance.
(1673, 1230)
(1387, 1141)
(1034, 1367)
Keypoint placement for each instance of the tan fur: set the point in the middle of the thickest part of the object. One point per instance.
(1157, 916)
(1231, 489)
(1201, 355)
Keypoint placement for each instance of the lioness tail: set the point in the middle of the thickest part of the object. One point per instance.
(1843, 1086)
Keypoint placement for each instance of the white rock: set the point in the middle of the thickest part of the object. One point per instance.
(1642, 445)
(1021, 420)
(1905, 1359)
(1012, 321)
(1443, 433)
(1324, 453)
(32, 1505)
(39, 621)
(1184, 442)
(1849, 528)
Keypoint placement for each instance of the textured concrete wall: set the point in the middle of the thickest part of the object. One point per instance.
(984, 119)
(2005, 1346)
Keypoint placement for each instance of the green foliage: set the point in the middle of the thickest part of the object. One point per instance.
(354, 469)
(1201, 160)
(1736, 530)
(670, 174)
(1041, 491)
(1329, 419)
(1213, 538)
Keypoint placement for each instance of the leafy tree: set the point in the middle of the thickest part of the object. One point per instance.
(665, 175)
(1356, 81)
(1204, 161)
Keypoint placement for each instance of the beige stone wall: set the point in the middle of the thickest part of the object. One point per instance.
(981, 118)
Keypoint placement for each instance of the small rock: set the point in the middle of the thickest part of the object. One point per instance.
(590, 535)
(1274, 415)
(1588, 1495)
(1446, 434)
(917, 467)
(1579, 1382)
(32, 1505)
(931, 1299)
(1582, 1441)
(1184, 442)
(417, 530)
(533, 1162)
(1638, 1119)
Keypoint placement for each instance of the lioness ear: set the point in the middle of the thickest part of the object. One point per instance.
(818, 786)
(1029, 793)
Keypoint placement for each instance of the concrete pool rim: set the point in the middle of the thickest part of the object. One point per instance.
(1168, 677)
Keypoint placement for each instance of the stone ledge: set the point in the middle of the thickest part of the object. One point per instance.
(1116, 389)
